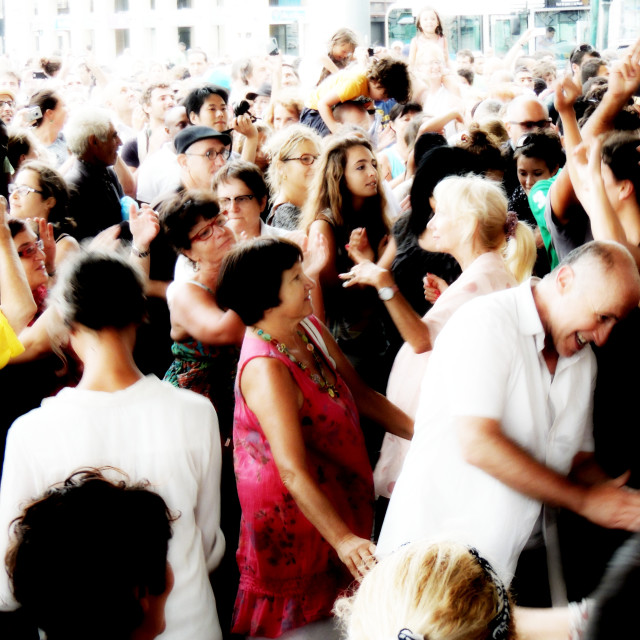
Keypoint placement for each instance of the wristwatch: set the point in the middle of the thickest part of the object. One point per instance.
(386, 293)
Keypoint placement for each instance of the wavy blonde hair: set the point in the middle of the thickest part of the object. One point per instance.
(329, 194)
(281, 146)
(437, 591)
(481, 208)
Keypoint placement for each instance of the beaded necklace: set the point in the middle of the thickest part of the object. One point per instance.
(320, 380)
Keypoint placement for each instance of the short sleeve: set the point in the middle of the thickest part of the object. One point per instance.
(10, 346)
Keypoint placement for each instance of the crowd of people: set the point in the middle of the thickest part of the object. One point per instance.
(319, 348)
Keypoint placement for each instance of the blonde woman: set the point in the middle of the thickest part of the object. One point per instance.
(495, 252)
(429, 590)
(293, 153)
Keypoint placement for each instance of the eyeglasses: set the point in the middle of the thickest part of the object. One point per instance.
(533, 124)
(22, 190)
(307, 159)
(31, 249)
(240, 200)
(211, 154)
(207, 231)
(7, 103)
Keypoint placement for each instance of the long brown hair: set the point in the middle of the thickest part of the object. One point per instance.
(329, 195)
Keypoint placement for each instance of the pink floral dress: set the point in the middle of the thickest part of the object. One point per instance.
(289, 575)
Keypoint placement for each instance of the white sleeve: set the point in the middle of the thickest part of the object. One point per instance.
(19, 486)
(207, 513)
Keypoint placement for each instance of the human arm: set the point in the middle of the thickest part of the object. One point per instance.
(271, 393)
(623, 81)
(207, 451)
(436, 124)
(325, 109)
(485, 446)
(385, 167)
(588, 183)
(328, 64)
(562, 195)
(515, 50)
(243, 125)
(411, 327)
(370, 403)
(413, 51)
(328, 274)
(144, 226)
(16, 300)
(434, 287)
(194, 310)
(542, 624)
(125, 177)
(314, 259)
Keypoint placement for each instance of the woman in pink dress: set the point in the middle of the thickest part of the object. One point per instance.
(495, 252)
(304, 480)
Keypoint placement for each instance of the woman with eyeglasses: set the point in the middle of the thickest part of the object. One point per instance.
(293, 152)
(206, 347)
(40, 193)
(206, 339)
(242, 196)
(30, 249)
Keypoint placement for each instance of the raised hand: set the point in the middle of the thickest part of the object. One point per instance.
(144, 226)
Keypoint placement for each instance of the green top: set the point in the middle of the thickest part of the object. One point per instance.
(538, 203)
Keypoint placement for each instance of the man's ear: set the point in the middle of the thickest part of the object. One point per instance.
(627, 190)
(564, 278)
(182, 160)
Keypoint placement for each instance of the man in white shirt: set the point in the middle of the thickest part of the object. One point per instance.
(505, 413)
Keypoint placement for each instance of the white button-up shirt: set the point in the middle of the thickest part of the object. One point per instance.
(488, 362)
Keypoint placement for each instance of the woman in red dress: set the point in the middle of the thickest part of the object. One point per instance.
(303, 475)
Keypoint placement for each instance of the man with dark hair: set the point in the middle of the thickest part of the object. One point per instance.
(92, 554)
(207, 105)
(593, 68)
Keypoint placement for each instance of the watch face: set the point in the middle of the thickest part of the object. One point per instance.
(386, 293)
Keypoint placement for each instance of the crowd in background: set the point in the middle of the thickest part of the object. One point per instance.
(243, 281)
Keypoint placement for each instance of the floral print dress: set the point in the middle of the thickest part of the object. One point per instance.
(289, 575)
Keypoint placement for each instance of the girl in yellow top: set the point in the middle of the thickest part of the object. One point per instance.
(384, 78)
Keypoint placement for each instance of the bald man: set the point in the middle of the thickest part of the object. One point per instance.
(524, 114)
(506, 411)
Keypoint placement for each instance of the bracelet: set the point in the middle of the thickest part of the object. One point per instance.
(139, 254)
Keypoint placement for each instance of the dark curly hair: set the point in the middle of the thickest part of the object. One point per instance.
(86, 552)
(393, 76)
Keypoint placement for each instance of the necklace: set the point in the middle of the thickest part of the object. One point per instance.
(320, 380)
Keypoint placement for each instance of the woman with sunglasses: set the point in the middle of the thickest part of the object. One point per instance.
(40, 193)
(242, 196)
(293, 152)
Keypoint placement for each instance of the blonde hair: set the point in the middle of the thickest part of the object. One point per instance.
(481, 206)
(290, 100)
(329, 194)
(437, 591)
(281, 146)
